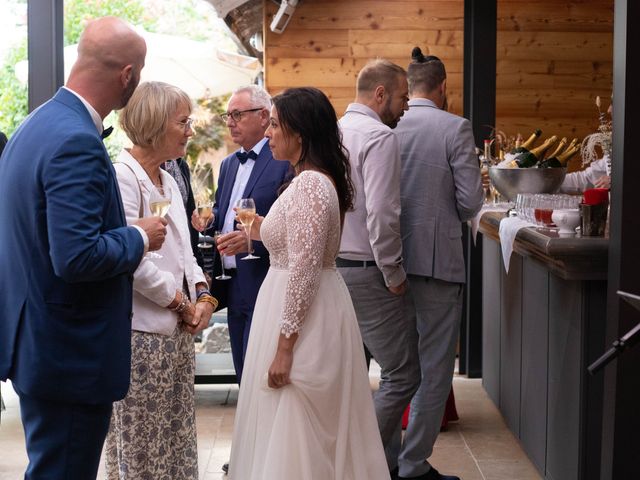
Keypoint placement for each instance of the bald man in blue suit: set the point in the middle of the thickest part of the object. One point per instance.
(67, 260)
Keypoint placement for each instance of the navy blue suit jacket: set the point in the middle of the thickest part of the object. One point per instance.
(264, 182)
(66, 260)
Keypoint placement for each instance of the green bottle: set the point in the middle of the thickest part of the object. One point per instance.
(526, 146)
(533, 156)
(543, 163)
(561, 160)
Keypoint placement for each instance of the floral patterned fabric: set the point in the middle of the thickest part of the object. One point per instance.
(152, 435)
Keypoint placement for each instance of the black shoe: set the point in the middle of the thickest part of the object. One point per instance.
(225, 468)
(432, 474)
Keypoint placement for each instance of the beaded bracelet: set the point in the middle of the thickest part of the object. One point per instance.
(202, 292)
(182, 306)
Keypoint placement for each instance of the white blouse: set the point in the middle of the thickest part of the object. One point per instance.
(156, 280)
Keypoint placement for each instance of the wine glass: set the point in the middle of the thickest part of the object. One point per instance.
(246, 211)
(224, 276)
(159, 203)
(160, 200)
(205, 212)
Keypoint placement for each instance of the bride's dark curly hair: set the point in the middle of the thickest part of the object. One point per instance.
(308, 112)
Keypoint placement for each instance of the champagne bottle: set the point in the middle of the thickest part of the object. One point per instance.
(558, 149)
(552, 158)
(531, 157)
(561, 160)
(526, 146)
(487, 152)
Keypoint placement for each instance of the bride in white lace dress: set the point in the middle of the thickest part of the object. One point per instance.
(305, 410)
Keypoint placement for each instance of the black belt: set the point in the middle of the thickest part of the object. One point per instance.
(343, 262)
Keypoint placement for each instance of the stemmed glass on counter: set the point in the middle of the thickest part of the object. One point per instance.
(538, 207)
(246, 212)
(159, 203)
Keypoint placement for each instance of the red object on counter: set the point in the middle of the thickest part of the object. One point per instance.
(596, 196)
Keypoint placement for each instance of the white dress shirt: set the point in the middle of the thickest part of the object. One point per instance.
(242, 178)
(584, 179)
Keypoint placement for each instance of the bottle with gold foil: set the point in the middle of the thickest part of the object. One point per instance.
(561, 160)
(528, 143)
(530, 158)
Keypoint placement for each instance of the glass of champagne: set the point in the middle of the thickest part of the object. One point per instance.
(224, 276)
(205, 212)
(159, 203)
(246, 211)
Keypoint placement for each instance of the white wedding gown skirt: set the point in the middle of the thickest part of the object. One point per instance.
(322, 426)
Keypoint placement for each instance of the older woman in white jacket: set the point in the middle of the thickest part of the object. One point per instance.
(152, 432)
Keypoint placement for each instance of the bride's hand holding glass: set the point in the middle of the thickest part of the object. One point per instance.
(245, 210)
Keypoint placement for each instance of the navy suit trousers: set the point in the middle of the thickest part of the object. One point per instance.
(64, 440)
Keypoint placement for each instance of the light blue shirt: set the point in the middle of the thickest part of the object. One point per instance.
(242, 178)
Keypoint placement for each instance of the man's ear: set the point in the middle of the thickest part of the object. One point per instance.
(264, 117)
(126, 75)
(379, 93)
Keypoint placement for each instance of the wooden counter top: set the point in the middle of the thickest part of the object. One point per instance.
(571, 258)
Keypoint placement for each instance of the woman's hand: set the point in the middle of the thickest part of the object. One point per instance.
(186, 316)
(198, 223)
(603, 182)
(255, 226)
(280, 369)
(200, 319)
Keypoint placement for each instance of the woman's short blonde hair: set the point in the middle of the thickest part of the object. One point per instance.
(147, 114)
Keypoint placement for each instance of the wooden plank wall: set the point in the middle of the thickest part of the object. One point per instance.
(327, 42)
(553, 56)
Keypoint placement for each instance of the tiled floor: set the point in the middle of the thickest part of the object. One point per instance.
(478, 447)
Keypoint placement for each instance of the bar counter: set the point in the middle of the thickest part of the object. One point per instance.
(543, 324)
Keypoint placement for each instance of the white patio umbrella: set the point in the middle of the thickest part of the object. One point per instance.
(196, 67)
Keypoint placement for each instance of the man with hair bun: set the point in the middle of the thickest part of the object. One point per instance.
(440, 189)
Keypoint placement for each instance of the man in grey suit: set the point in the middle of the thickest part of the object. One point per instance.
(370, 258)
(440, 189)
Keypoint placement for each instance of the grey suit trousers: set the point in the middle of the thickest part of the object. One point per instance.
(391, 338)
(436, 307)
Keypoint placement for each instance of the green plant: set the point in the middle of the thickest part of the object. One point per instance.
(209, 129)
(13, 95)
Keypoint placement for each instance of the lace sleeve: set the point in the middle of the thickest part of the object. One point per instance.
(307, 220)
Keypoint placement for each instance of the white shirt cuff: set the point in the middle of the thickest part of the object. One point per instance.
(144, 236)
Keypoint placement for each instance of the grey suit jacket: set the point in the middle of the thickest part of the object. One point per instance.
(440, 189)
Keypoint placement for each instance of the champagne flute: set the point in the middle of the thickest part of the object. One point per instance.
(246, 211)
(160, 200)
(224, 276)
(159, 203)
(205, 212)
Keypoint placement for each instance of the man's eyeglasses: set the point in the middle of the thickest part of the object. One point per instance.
(186, 124)
(237, 114)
